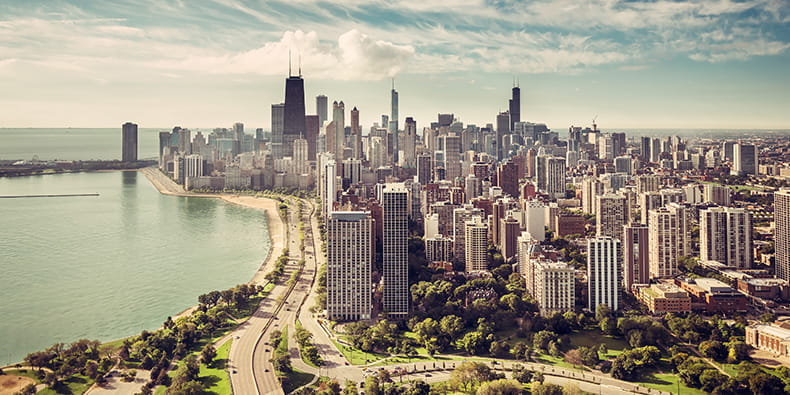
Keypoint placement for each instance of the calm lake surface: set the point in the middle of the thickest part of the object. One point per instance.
(110, 266)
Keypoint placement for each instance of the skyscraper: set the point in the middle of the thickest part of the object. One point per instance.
(356, 135)
(312, 127)
(278, 119)
(395, 205)
(515, 107)
(604, 260)
(725, 236)
(424, 169)
(393, 125)
(636, 267)
(508, 236)
(349, 253)
(550, 174)
(339, 130)
(668, 234)
(321, 109)
(476, 244)
(591, 189)
(129, 142)
(744, 159)
(610, 215)
(460, 217)
(554, 286)
(409, 142)
(293, 113)
(782, 233)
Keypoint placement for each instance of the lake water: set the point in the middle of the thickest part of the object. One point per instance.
(110, 266)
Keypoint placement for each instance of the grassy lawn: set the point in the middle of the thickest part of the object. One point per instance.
(160, 390)
(215, 378)
(593, 338)
(559, 362)
(295, 380)
(76, 384)
(355, 356)
(283, 346)
(33, 374)
(112, 346)
(667, 382)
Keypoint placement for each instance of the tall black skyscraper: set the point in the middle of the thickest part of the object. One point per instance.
(515, 107)
(293, 122)
(129, 142)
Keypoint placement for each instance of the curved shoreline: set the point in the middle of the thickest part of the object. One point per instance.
(269, 206)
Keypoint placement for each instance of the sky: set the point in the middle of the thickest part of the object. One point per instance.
(210, 63)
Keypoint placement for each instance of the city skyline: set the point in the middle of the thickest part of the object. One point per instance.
(634, 65)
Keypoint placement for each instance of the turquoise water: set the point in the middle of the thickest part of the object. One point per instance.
(110, 266)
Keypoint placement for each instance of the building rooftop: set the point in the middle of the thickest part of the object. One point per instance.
(773, 331)
(711, 285)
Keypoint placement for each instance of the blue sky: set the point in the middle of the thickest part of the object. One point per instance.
(634, 64)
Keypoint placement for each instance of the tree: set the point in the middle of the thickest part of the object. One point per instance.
(469, 375)
(546, 389)
(713, 349)
(473, 342)
(350, 388)
(521, 374)
(451, 325)
(574, 357)
(500, 387)
(372, 386)
(208, 354)
(710, 379)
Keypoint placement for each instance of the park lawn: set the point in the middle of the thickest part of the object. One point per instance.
(667, 382)
(355, 356)
(559, 362)
(283, 346)
(215, 378)
(295, 380)
(33, 374)
(160, 390)
(112, 347)
(593, 338)
(76, 385)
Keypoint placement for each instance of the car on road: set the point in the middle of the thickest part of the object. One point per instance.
(234, 371)
(266, 370)
(427, 375)
(266, 350)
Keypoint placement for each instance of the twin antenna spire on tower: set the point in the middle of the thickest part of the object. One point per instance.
(289, 65)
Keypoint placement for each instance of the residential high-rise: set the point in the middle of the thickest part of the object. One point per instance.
(312, 127)
(647, 183)
(550, 174)
(508, 177)
(782, 233)
(460, 217)
(476, 244)
(356, 135)
(349, 253)
(409, 142)
(604, 263)
(424, 169)
(339, 130)
(644, 152)
(668, 234)
(636, 259)
(515, 107)
(610, 215)
(554, 287)
(591, 189)
(395, 205)
(278, 125)
(321, 109)
(129, 142)
(509, 230)
(293, 113)
(301, 165)
(725, 236)
(718, 194)
(438, 248)
(393, 125)
(744, 159)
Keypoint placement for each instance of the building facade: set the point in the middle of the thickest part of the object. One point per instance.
(349, 251)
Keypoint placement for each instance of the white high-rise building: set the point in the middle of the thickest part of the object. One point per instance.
(349, 252)
(647, 183)
(610, 215)
(591, 188)
(395, 205)
(328, 181)
(534, 219)
(718, 194)
(554, 287)
(550, 171)
(782, 233)
(604, 272)
(460, 217)
(668, 233)
(476, 244)
(300, 163)
(725, 236)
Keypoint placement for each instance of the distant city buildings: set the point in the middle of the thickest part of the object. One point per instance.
(129, 142)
